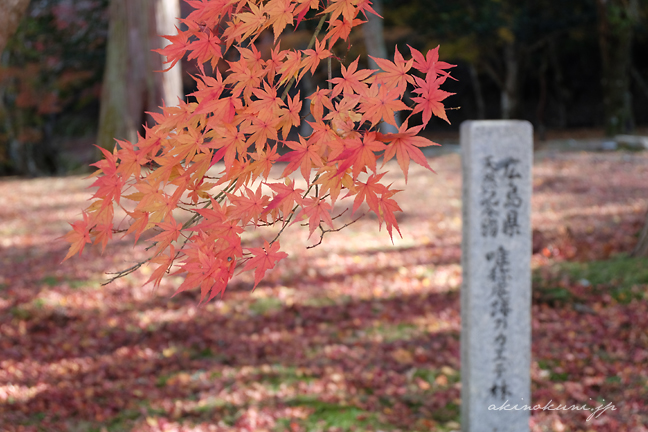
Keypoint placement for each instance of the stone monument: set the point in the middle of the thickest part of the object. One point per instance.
(496, 263)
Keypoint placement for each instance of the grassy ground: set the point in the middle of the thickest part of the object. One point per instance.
(356, 334)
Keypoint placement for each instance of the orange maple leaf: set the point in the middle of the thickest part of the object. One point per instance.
(290, 67)
(346, 8)
(340, 29)
(305, 154)
(290, 117)
(319, 100)
(253, 22)
(176, 49)
(263, 162)
(249, 207)
(333, 181)
(352, 80)
(313, 58)
(394, 73)
(379, 103)
(280, 13)
(78, 237)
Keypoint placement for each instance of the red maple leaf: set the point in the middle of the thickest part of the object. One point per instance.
(430, 64)
(286, 196)
(305, 154)
(264, 259)
(206, 48)
(360, 154)
(316, 210)
(170, 232)
(164, 262)
(249, 207)
(387, 207)
(369, 192)
(176, 49)
(405, 145)
(430, 100)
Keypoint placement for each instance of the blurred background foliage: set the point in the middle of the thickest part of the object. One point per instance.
(559, 64)
(50, 82)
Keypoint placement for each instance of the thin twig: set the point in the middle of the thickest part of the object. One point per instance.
(292, 213)
(195, 218)
(128, 271)
(334, 230)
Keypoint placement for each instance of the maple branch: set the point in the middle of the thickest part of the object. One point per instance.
(311, 44)
(240, 105)
(195, 218)
(126, 272)
(292, 213)
(218, 198)
(340, 215)
(330, 74)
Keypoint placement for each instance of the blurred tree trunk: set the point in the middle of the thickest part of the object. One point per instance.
(374, 37)
(510, 89)
(12, 13)
(479, 95)
(542, 100)
(616, 20)
(561, 91)
(504, 71)
(131, 84)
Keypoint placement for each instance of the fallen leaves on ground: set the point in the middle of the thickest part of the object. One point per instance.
(355, 334)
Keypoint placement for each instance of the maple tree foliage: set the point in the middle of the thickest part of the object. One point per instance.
(242, 117)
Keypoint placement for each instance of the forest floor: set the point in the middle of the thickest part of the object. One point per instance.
(355, 334)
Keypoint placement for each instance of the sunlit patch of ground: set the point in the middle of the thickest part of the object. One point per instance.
(358, 333)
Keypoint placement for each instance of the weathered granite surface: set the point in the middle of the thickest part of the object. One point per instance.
(496, 260)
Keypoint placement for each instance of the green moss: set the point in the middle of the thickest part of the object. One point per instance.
(623, 277)
(622, 271)
(282, 375)
(559, 377)
(266, 305)
(450, 412)
(20, 313)
(328, 415)
(52, 281)
(392, 333)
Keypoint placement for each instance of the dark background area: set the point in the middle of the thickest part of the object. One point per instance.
(51, 70)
